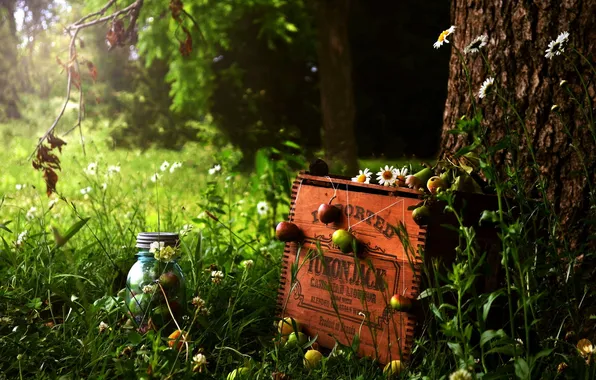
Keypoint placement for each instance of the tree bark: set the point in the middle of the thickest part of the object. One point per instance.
(8, 63)
(519, 33)
(337, 97)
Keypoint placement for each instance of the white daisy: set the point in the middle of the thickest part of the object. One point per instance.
(214, 169)
(91, 169)
(113, 169)
(486, 87)
(443, 37)
(557, 47)
(403, 172)
(155, 177)
(476, 44)
(175, 166)
(363, 177)
(31, 213)
(387, 176)
(262, 207)
(164, 166)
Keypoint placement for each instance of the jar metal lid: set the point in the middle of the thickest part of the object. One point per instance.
(169, 239)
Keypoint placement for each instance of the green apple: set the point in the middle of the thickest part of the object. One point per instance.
(400, 303)
(343, 239)
(138, 303)
(421, 215)
(297, 339)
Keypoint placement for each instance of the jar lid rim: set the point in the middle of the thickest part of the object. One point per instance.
(169, 239)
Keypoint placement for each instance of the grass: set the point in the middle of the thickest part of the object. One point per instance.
(64, 261)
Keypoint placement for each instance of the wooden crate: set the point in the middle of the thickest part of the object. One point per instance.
(323, 291)
(336, 295)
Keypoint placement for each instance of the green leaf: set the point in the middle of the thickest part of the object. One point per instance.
(291, 144)
(134, 337)
(72, 231)
(261, 162)
(489, 335)
(456, 348)
(489, 302)
(522, 371)
(4, 224)
(291, 27)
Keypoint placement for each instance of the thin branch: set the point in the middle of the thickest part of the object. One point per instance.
(133, 10)
(99, 12)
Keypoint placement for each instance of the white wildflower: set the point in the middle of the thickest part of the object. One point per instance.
(149, 289)
(52, 203)
(486, 87)
(247, 264)
(20, 186)
(91, 168)
(113, 169)
(476, 44)
(156, 246)
(363, 176)
(199, 362)
(387, 176)
(186, 229)
(21, 238)
(175, 166)
(216, 276)
(155, 177)
(86, 190)
(214, 169)
(557, 47)
(443, 37)
(164, 166)
(31, 213)
(103, 326)
(104, 186)
(262, 208)
(460, 374)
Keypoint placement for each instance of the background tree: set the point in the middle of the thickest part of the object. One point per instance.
(556, 146)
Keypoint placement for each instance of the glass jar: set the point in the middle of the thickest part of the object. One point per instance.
(154, 284)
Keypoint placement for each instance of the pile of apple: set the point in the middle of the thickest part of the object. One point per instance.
(291, 336)
(450, 179)
(150, 308)
(327, 213)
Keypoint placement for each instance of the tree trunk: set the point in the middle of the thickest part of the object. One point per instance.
(337, 97)
(8, 62)
(518, 34)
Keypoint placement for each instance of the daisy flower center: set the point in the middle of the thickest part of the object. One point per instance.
(443, 35)
(361, 178)
(387, 175)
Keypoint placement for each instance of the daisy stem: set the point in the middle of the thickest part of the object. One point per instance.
(468, 78)
(589, 116)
